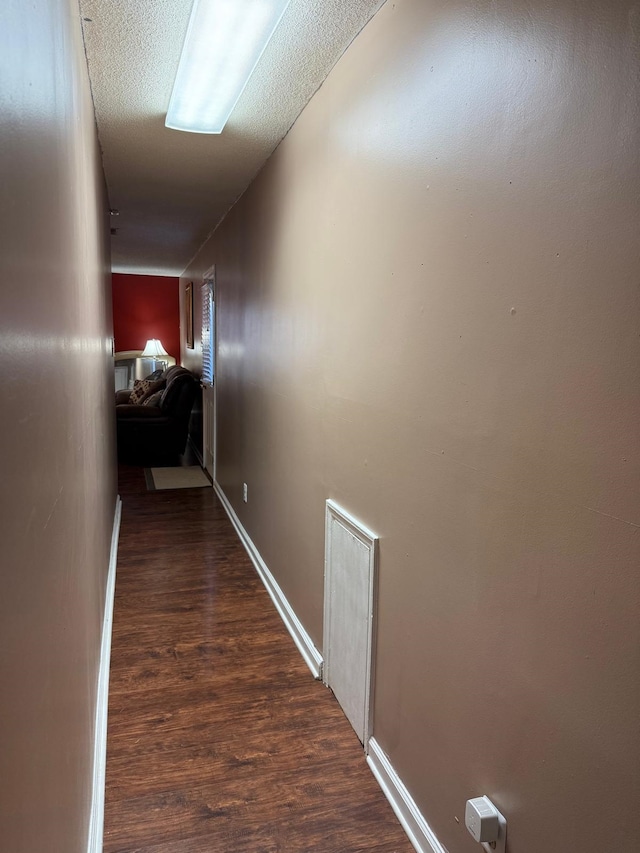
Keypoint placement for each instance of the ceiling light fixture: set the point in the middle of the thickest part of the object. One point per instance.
(224, 41)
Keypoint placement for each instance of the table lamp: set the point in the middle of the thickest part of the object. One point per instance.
(155, 350)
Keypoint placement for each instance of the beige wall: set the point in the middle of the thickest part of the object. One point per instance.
(56, 438)
(428, 311)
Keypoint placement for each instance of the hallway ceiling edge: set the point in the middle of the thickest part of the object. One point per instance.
(173, 188)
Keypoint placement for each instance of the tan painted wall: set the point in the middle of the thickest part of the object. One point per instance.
(428, 310)
(56, 437)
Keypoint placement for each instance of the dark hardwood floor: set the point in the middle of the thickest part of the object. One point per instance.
(219, 737)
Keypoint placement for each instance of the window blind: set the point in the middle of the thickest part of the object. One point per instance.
(208, 333)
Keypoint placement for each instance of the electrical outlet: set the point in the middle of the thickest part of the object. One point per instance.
(245, 496)
(486, 824)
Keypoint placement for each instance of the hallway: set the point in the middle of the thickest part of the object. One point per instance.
(219, 738)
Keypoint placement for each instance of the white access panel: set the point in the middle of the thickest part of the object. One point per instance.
(349, 610)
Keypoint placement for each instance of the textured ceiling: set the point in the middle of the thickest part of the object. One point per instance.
(173, 188)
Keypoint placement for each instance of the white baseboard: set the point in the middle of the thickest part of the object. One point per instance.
(300, 636)
(418, 830)
(96, 823)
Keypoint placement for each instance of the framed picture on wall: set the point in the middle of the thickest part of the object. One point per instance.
(188, 304)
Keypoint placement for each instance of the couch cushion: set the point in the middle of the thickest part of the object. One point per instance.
(171, 371)
(176, 378)
(153, 399)
(135, 410)
(143, 388)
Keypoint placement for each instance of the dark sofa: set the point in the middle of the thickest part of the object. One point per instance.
(155, 428)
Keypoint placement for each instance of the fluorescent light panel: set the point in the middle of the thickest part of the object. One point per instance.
(224, 41)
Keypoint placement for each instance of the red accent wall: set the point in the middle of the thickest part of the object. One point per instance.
(146, 306)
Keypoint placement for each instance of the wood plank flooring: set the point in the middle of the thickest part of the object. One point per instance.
(219, 738)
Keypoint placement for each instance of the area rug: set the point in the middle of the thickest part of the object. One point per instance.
(191, 477)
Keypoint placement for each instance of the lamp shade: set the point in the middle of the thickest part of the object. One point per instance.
(154, 349)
